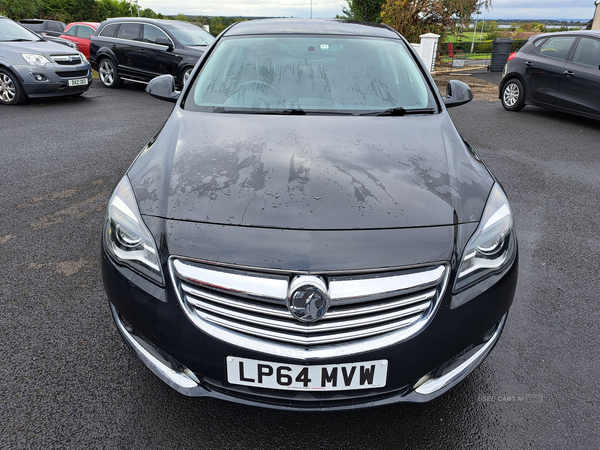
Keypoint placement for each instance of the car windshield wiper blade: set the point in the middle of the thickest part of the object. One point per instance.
(295, 112)
(400, 111)
(289, 112)
(22, 40)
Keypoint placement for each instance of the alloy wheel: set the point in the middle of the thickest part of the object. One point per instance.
(7, 88)
(511, 94)
(107, 73)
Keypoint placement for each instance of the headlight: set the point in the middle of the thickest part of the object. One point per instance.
(126, 238)
(83, 58)
(492, 248)
(35, 60)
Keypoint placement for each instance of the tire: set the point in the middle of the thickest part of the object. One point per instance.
(109, 76)
(11, 91)
(513, 95)
(185, 74)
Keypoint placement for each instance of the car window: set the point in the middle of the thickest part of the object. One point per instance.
(588, 52)
(85, 32)
(109, 30)
(557, 47)
(151, 32)
(72, 31)
(37, 27)
(11, 31)
(56, 26)
(189, 34)
(316, 73)
(130, 31)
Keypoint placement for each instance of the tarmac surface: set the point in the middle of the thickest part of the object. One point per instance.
(68, 381)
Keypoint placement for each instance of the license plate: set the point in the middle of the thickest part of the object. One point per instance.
(78, 82)
(331, 377)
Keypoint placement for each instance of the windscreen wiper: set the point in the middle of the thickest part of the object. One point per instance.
(289, 112)
(292, 112)
(400, 111)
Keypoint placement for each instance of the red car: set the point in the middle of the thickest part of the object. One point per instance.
(81, 32)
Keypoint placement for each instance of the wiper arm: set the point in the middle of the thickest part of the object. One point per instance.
(292, 112)
(400, 111)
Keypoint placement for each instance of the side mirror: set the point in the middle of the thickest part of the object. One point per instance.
(163, 88)
(164, 41)
(457, 93)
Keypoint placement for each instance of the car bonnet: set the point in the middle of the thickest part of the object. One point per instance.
(310, 172)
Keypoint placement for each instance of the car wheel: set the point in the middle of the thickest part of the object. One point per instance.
(513, 96)
(186, 75)
(11, 92)
(108, 74)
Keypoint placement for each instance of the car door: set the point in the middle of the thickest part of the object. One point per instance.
(579, 87)
(84, 34)
(545, 66)
(157, 59)
(126, 48)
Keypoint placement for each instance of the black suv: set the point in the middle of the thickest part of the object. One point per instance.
(44, 27)
(139, 49)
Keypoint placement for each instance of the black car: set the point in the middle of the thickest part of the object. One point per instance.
(308, 230)
(138, 50)
(52, 28)
(557, 71)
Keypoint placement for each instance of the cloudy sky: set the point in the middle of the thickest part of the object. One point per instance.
(502, 9)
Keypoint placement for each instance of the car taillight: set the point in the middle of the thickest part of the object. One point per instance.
(513, 55)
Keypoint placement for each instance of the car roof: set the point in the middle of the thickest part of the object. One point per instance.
(142, 19)
(594, 33)
(91, 24)
(37, 21)
(311, 26)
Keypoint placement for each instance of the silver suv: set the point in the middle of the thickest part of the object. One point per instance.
(31, 67)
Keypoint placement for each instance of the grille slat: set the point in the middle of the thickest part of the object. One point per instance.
(309, 340)
(294, 327)
(367, 311)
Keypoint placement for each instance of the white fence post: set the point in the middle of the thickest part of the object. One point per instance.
(428, 49)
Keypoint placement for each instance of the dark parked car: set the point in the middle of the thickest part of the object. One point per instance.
(140, 49)
(555, 70)
(309, 230)
(44, 27)
(49, 30)
(31, 67)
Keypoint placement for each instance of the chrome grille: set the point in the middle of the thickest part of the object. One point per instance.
(67, 60)
(367, 311)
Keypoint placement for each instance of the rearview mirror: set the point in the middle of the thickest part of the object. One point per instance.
(163, 88)
(457, 93)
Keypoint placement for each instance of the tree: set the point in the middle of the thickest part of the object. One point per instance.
(216, 26)
(364, 10)
(21, 9)
(415, 17)
(412, 18)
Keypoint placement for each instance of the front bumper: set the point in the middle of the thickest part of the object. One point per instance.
(457, 340)
(53, 79)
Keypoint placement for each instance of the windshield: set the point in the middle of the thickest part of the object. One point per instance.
(11, 31)
(296, 74)
(189, 34)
